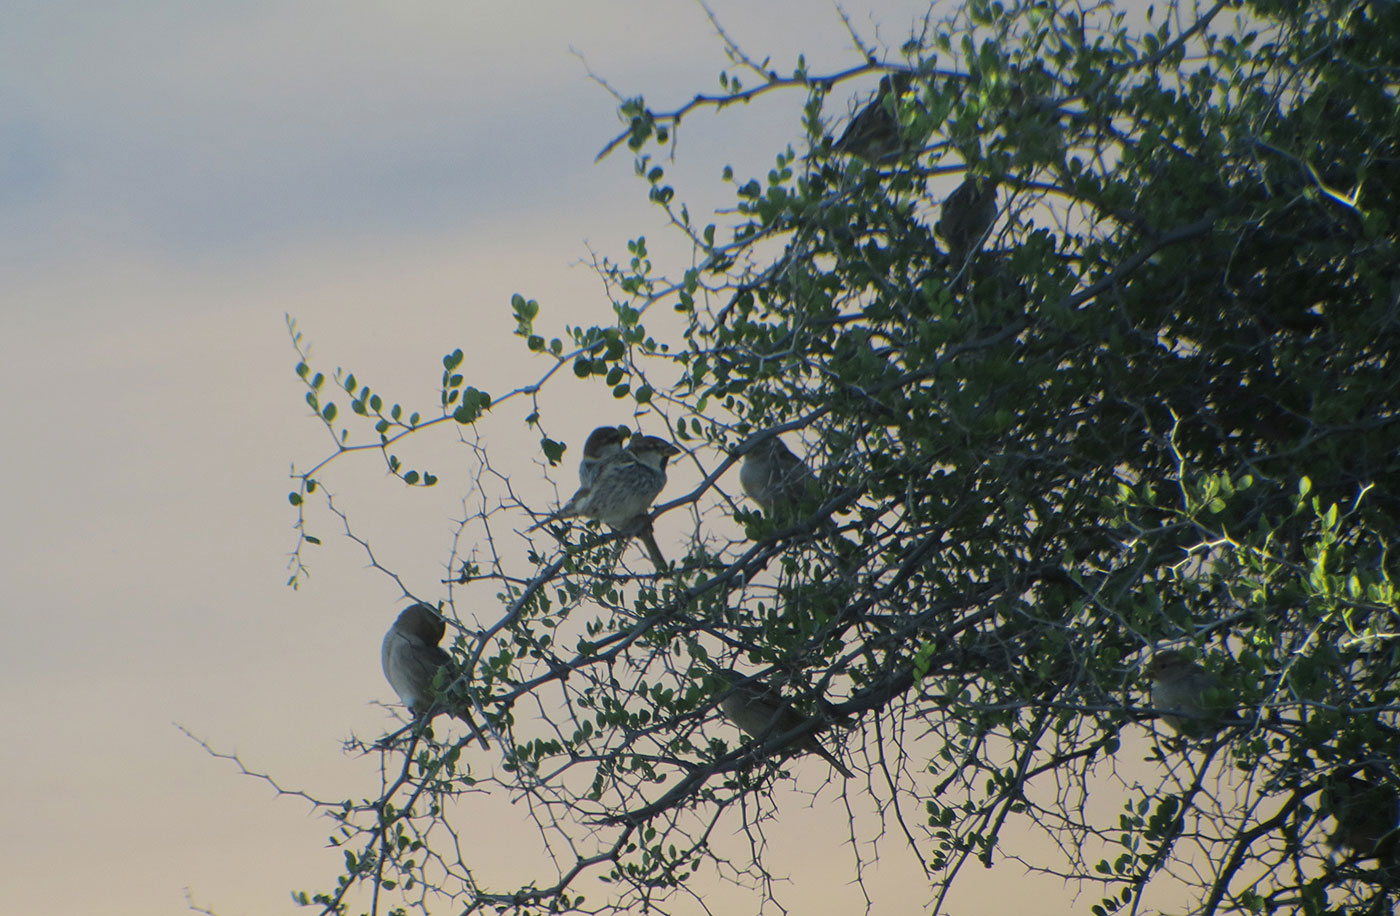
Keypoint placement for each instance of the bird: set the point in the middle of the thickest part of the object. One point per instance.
(965, 217)
(777, 479)
(412, 658)
(1189, 698)
(624, 485)
(761, 713)
(874, 133)
(1367, 815)
(603, 442)
(654, 452)
(783, 485)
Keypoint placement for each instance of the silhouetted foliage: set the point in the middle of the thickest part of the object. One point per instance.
(1153, 404)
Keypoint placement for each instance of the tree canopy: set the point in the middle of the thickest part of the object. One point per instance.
(1146, 403)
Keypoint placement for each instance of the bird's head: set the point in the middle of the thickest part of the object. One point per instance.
(422, 621)
(652, 446)
(1168, 663)
(769, 447)
(604, 440)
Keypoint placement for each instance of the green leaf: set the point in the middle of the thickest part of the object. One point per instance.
(474, 402)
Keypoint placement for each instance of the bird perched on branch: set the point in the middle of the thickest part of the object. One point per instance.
(1367, 814)
(761, 713)
(966, 216)
(1189, 698)
(783, 485)
(412, 658)
(874, 133)
(625, 483)
(777, 479)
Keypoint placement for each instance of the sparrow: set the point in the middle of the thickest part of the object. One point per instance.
(761, 713)
(874, 134)
(776, 479)
(602, 443)
(966, 216)
(624, 485)
(1182, 692)
(653, 452)
(412, 657)
(1367, 814)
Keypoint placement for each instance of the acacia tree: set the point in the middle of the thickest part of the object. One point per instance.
(1151, 404)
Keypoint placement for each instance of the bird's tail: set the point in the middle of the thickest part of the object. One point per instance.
(648, 538)
(830, 758)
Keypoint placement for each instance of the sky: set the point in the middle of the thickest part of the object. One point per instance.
(177, 178)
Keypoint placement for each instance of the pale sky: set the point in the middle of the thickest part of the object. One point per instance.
(173, 179)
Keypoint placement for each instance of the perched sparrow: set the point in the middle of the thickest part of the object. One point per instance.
(783, 486)
(411, 656)
(1367, 813)
(966, 216)
(776, 479)
(653, 452)
(761, 713)
(603, 442)
(624, 485)
(1190, 699)
(873, 133)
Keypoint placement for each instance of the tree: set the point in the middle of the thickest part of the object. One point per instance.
(1151, 405)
